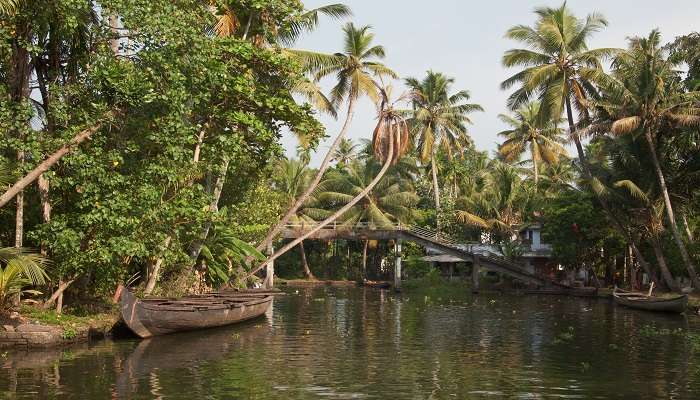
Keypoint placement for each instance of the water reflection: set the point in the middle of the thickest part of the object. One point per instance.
(347, 343)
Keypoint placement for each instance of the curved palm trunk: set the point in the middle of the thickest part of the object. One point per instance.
(307, 271)
(534, 165)
(333, 217)
(272, 233)
(50, 161)
(436, 186)
(661, 260)
(687, 228)
(589, 176)
(669, 213)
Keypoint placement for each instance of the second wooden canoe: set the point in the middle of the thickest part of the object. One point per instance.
(641, 301)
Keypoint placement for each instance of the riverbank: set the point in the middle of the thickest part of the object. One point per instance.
(33, 327)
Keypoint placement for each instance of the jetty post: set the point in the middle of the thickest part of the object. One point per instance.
(397, 266)
(270, 269)
(476, 266)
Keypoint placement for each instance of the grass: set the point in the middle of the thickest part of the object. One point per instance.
(70, 324)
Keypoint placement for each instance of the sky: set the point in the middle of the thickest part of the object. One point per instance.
(464, 39)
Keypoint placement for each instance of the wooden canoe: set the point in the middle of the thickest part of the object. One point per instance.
(158, 316)
(641, 301)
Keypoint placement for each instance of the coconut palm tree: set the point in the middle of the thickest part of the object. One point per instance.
(291, 178)
(390, 201)
(439, 120)
(355, 70)
(561, 71)
(345, 153)
(501, 206)
(643, 98)
(390, 142)
(9, 7)
(527, 129)
(19, 269)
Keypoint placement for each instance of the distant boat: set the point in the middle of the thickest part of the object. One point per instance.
(642, 301)
(158, 316)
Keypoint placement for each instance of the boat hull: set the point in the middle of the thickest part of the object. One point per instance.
(672, 305)
(151, 318)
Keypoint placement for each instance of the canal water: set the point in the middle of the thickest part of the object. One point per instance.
(357, 343)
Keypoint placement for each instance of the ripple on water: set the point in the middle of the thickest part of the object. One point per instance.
(354, 343)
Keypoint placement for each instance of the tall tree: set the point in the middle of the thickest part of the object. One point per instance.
(643, 98)
(390, 142)
(389, 202)
(439, 120)
(561, 71)
(527, 129)
(355, 69)
(345, 153)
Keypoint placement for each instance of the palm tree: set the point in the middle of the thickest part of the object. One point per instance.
(562, 72)
(18, 269)
(439, 120)
(345, 153)
(246, 22)
(500, 207)
(291, 178)
(390, 201)
(9, 7)
(390, 142)
(643, 98)
(542, 136)
(355, 70)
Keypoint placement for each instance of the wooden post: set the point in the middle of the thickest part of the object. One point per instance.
(270, 269)
(476, 265)
(397, 266)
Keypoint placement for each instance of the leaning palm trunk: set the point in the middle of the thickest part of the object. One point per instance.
(661, 260)
(669, 212)
(589, 177)
(436, 185)
(50, 161)
(305, 264)
(213, 207)
(275, 230)
(336, 215)
(687, 228)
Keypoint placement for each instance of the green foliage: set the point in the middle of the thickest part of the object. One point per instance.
(19, 269)
(576, 229)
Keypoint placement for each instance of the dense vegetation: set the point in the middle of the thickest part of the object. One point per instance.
(141, 142)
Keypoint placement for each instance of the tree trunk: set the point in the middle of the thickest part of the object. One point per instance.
(687, 228)
(196, 247)
(436, 186)
(364, 260)
(669, 213)
(307, 271)
(49, 162)
(272, 233)
(535, 169)
(335, 215)
(19, 219)
(604, 204)
(661, 260)
(58, 294)
(113, 25)
(154, 271)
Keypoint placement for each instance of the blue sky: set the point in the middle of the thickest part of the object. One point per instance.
(464, 39)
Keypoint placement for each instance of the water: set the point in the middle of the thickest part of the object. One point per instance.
(355, 343)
